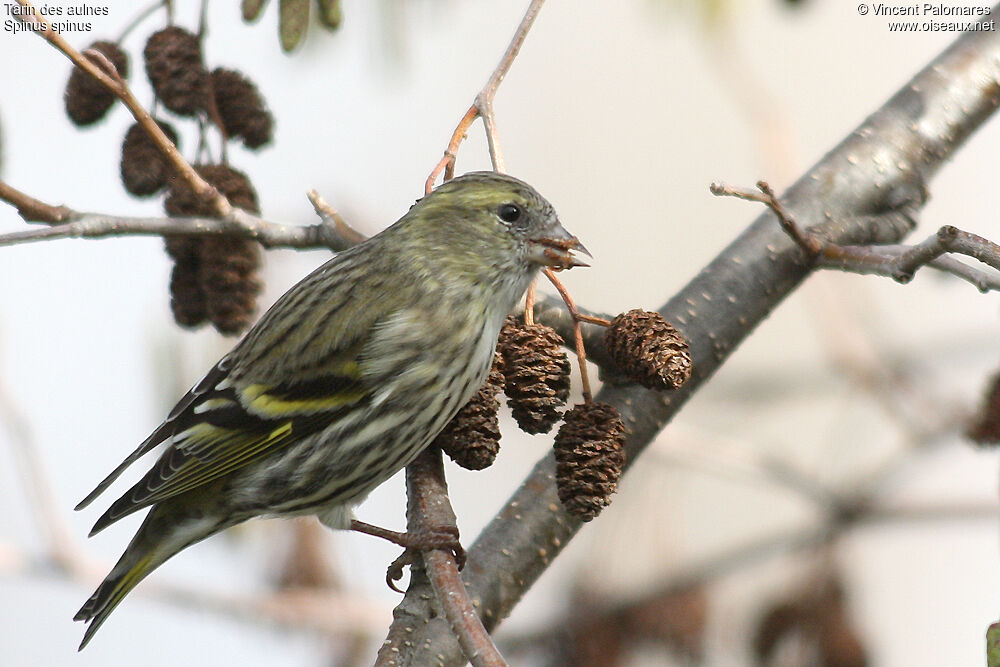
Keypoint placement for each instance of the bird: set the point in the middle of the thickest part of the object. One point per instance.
(343, 381)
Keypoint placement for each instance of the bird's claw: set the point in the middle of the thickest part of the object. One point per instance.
(443, 538)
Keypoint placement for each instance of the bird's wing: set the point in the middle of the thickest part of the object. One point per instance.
(164, 430)
(245, 409)
(219, 427)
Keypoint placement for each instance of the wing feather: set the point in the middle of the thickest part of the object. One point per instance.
(163, 431)
(225, 429)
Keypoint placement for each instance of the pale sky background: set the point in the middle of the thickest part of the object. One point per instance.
(621, 113)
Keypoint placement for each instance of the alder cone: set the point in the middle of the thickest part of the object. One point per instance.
(815, 619)
(187, 299)
(227, 267)
(87, 100)
(176, 70)
(649, 349)
(536, 374)
(472, 438)
(590, 457)
(144, 168)
(985, 430)
(229, 281)
(241, 108)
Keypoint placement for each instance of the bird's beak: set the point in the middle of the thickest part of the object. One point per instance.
(555, 247)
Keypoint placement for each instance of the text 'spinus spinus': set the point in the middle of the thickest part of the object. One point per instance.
(344, 380)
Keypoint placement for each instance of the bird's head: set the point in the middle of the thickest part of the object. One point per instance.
(497, 222)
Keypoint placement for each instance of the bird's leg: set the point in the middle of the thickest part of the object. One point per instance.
(393, 536)
(426, 538)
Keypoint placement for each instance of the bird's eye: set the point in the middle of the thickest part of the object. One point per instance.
(509, 212)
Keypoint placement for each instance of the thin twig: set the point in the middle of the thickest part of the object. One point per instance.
(581, 350)
(447, 161)
(590, 319)
(948, 239)
(899, 262)
(104, 71)
(332, 217)
(529, 305)
(863, 262)
(34, 210)
(484, 100)
(482, 107)
(139, 18)
(552, 311)
(96, 225)
(808, 242)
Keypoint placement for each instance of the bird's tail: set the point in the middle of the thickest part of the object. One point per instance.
(161, 535)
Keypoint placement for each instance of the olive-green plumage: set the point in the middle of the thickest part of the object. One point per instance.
(344, 380)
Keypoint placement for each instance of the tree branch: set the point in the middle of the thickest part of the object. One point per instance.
(898, 262)
(333, 232)
(434, 575)
(428, 494)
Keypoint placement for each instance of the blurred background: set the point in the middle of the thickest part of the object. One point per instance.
(719, 548)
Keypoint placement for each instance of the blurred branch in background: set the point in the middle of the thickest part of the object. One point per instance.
(62, 550)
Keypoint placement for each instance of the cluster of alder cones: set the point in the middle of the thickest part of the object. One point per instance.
(214, 279)
(532, 369)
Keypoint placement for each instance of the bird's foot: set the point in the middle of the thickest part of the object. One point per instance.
(444, 538)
